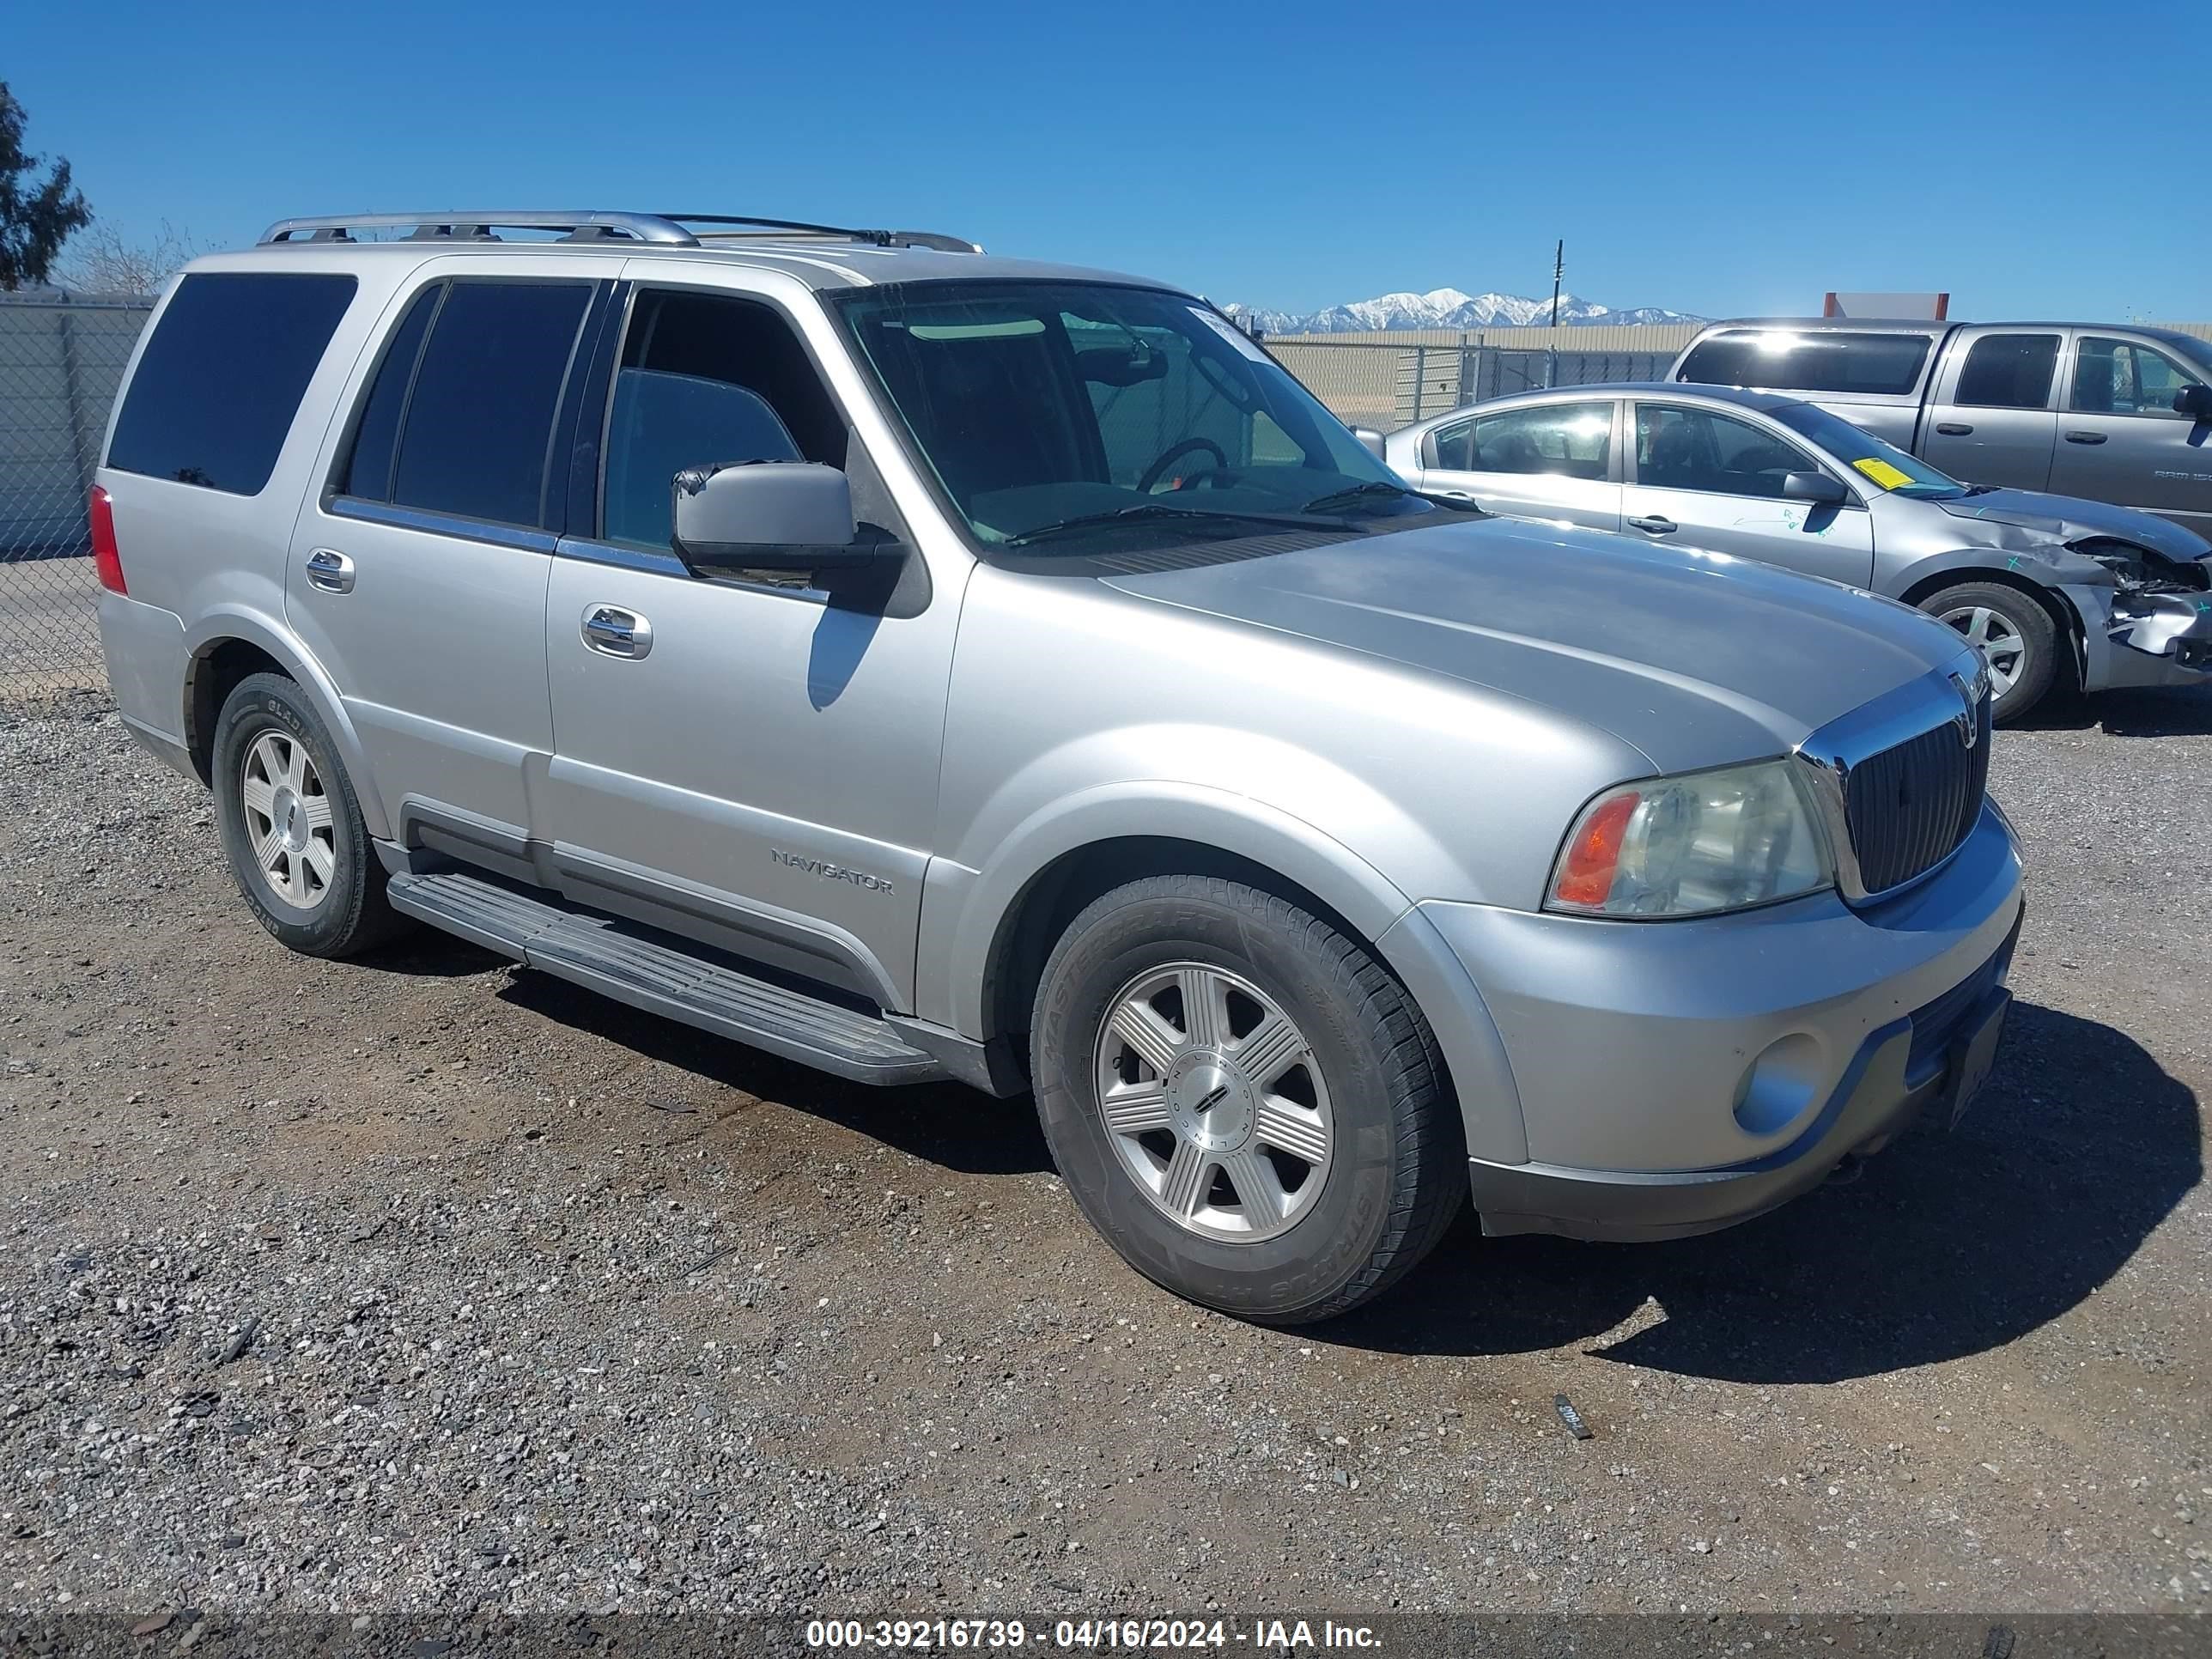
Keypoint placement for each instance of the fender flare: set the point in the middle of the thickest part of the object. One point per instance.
(258, 629)
(1383, 915)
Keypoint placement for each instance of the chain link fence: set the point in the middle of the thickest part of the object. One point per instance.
(1386, 386)
(61, 361)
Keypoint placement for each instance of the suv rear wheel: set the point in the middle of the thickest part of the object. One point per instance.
(2016, 637)
(1246, 1105)
(291, 826)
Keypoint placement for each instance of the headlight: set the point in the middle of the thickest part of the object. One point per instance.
(1693, 845)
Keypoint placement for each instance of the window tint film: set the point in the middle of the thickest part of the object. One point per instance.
(2125, 377)
(368, 470)
(1872, 365)
(1680, 448)
(481, 418)
(1568, 440)
(220, 382)
(2008, 371)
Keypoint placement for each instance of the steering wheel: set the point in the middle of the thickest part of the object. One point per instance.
(1175, 453)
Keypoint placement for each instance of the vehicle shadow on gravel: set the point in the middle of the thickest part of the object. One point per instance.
(1948, 1244)
(2185, 711)
(947, 1123)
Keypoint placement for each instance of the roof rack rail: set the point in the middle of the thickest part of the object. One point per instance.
(584, 226)
(658, 229)
(746, 226)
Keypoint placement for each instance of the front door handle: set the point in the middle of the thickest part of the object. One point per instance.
(329, 570)
(2085, 437)
(1953, 428)
(614, 632)
(1653, 525)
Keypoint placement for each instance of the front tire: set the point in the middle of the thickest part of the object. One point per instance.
(1243, 1101)
(2015, 634)
(291, 826)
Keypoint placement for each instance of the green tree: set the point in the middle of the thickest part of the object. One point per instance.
(36, 217)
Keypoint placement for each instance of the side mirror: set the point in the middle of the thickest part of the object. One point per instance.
(2194, 401)
(768, 515)
(1817, 487)
(1370, 440)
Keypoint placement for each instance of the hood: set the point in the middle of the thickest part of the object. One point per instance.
(1696, 659)
(2069, 519)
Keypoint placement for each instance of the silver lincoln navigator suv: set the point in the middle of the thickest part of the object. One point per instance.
(924, 666)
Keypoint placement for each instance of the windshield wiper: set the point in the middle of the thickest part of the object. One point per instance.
(1142, 510)
(1336, 500)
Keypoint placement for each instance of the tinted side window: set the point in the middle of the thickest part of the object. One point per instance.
(1872, 365)
(1694, 449)
(481, 418)
(1570, 441)
(663, 423)
(367, 470)
(1454, 446)
(2125, 377)
(2008, 371)
(220, 382)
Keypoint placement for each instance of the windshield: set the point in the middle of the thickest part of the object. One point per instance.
(1883, 466)
(2199, 352)
(1066, 414)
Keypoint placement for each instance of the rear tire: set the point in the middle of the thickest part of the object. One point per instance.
(1301, 1150)
(291, 826)
(2016, 637)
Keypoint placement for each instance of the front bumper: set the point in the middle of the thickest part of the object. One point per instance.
(1678, 1077)
(2150, 640)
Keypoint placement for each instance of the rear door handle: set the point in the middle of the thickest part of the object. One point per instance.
(614, 632)
(329, 570)
(1654, 525)
(1953, 428)
(2085, 437)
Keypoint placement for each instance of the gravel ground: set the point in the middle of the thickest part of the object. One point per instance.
(424, 1284)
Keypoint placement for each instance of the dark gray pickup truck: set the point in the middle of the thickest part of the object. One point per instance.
(2106, 411)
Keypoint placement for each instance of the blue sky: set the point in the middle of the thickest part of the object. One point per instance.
(1712, 159)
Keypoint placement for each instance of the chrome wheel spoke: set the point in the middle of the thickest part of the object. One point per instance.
(1205, 1006)
(318, 809)
(295, 766)
(1259, 1189)
(1289, 1127)
(1268, 1051)
(1152, 1038)
(321, 858)
(1182, 1185)
(1135, 1109)
(296, 878)
(259, 796)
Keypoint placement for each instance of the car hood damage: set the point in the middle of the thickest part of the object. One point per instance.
(1695, 658)
(2138, 549)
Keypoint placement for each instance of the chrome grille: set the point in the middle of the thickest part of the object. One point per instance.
(1909, 806)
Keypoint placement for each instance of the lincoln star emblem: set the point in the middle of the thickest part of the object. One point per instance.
(1968, 718)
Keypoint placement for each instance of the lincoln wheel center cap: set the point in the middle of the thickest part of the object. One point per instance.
(1210, 1101)
(290, 816)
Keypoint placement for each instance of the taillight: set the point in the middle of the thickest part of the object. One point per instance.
(106, 560)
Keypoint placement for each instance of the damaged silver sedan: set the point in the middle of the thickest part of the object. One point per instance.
(2043, 584)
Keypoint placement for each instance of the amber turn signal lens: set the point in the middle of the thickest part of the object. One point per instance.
(1586, 872)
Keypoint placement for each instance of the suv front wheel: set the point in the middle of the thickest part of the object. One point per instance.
(1243, 1101)
(291, 826)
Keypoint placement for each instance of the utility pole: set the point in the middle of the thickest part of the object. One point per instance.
(1558, 270)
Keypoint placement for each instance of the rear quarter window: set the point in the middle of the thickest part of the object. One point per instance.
(219, 385)
(1867, 365)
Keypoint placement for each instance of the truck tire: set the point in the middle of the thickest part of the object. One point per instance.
(2016, 634)
(291, 826)
(1243, 1101)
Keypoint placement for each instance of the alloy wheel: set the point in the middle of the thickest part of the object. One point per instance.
(2000, 643)
(1214, 1102)
(288, 820)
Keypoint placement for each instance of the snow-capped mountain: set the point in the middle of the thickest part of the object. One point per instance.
(1448, 307)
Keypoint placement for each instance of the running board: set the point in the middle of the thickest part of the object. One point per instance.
(631, 965)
